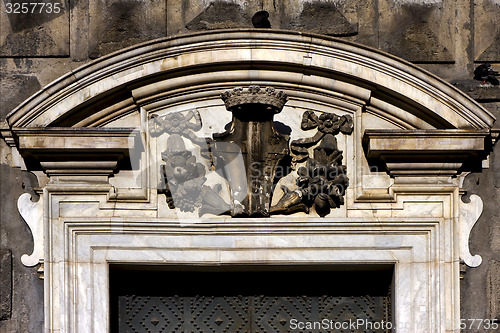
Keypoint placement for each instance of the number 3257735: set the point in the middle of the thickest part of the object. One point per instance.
(32, 7)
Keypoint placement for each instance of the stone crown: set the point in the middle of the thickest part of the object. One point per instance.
(254, 95)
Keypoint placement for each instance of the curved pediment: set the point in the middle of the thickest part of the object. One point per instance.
(198, 67)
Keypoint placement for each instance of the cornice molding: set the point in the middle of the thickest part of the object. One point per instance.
(76, 151)
(426, 152)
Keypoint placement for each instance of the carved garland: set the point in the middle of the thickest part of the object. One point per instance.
(323, 180)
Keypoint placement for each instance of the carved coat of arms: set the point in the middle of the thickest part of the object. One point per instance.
(252, 156)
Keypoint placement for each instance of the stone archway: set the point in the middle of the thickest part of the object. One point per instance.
(87, 137)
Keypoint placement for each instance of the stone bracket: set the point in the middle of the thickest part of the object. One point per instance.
(469, 214)
(32, 213)
(6, 134)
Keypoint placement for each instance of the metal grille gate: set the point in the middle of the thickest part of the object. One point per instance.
(250, 313)
(270, 299)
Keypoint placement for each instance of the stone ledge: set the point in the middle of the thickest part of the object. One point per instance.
(478, 90)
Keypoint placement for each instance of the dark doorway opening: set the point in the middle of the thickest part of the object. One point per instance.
(250, 298)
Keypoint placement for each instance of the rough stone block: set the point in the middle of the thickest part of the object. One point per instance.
(11, 86)
(355, 20)
(323, 18)
(364, 14)
(116, 24)
(338, 18)
(40, 32)
(418, 31)
(220, 15)
(495, 229)
(494, 291)
(487, 30)
(5, 284)
(213, 14)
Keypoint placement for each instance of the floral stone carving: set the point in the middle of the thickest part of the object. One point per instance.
(322, 181)
(182, 178)
(178, 123)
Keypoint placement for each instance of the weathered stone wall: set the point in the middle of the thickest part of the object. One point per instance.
(446, 37)
(480, 288)
(21, 306)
